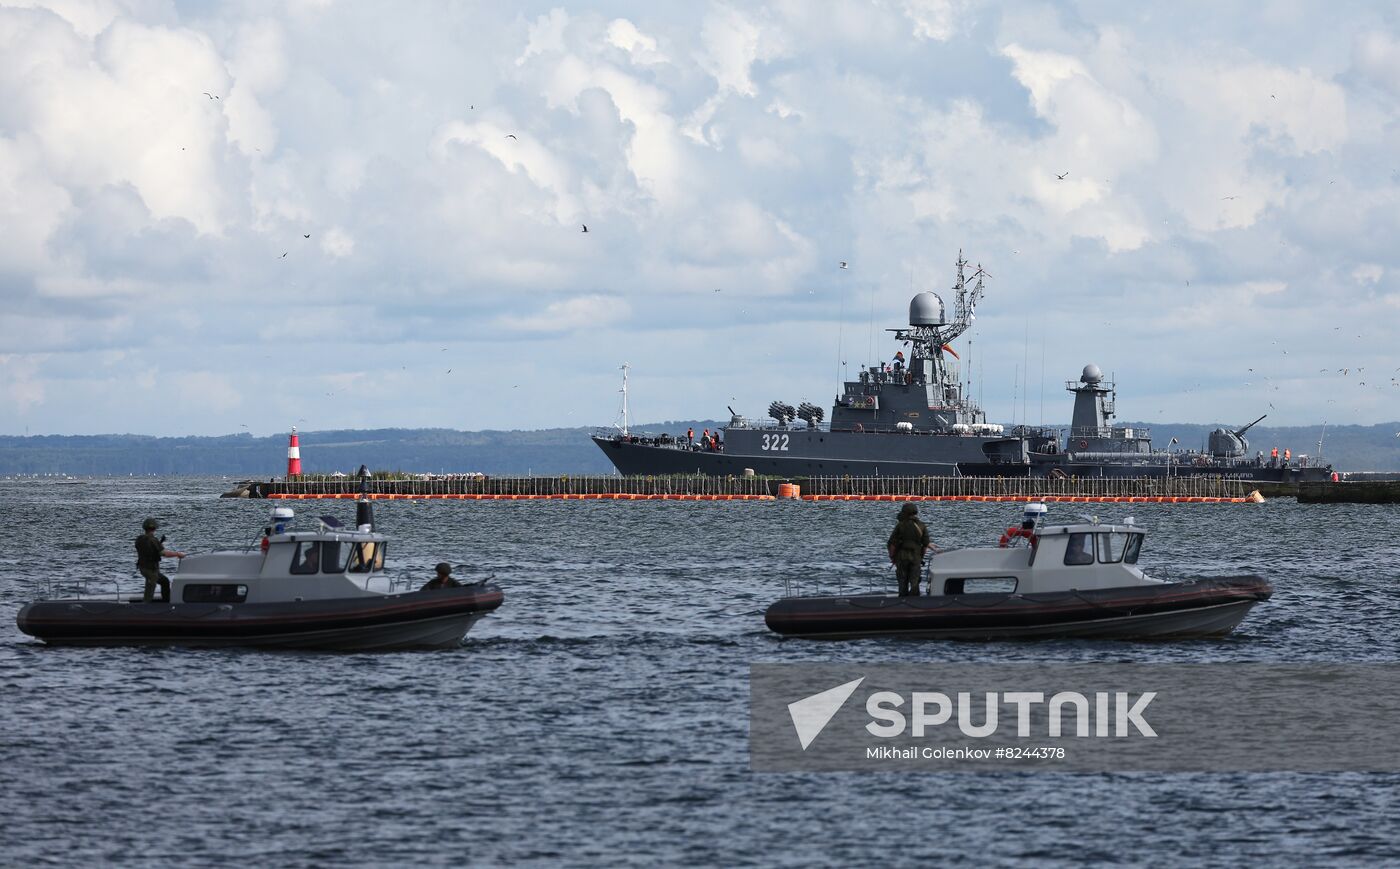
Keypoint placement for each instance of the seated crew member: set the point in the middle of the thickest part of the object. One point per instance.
(442, 579)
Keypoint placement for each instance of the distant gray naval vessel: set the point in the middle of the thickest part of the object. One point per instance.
(1094, 447)
(909, 418)
(914, 418)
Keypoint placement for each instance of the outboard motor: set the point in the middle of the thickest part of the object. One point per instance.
(364, 510)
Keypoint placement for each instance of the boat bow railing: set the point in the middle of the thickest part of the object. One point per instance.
(88, 588)
(842, 580)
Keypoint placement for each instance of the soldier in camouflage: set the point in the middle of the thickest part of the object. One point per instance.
(149, 551)
(907, 545)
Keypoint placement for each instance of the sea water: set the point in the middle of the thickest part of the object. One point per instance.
(601, 715)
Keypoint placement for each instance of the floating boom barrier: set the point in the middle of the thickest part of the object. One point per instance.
(1134, 490)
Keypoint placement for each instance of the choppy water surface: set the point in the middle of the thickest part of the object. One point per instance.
(600, 716)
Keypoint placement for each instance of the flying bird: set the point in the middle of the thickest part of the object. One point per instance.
(1223, 198)
(512, 136)
(210, 96)
(284, 255)
(843, 264)
(585, 227)
(306, 235)
(1059, 177)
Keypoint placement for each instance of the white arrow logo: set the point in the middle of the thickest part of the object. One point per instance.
(810, 715)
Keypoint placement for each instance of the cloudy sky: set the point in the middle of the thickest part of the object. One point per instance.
(339, 216)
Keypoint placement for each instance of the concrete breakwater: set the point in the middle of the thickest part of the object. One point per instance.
(693, 487)
(1350, 492)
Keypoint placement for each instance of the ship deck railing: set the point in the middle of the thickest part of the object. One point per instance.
(1109, 432)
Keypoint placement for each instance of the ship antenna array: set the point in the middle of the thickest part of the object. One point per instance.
(927, 339)
(966, 305)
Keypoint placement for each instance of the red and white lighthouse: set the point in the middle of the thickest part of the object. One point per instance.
(293, 456)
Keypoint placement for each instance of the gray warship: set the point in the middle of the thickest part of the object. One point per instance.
(1094, 447)
(915, 418)
(908, 418)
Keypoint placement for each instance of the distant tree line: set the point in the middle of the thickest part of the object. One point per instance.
(544, 451)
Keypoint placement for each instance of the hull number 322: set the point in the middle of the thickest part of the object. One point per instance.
(775, 442)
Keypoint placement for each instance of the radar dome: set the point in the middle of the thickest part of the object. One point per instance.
(1091, 374)
(926, 309)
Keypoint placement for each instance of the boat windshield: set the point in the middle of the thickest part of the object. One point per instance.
(1116, 546)
(320, 557)
(1111, 546)
(1079, 549)
(1130, 554)
(366, 557)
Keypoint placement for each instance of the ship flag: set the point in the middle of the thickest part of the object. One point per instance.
(950, 351)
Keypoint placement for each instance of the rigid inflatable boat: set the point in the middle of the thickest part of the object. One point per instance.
(1063, 580)
(315, 589)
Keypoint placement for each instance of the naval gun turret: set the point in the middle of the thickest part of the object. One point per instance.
(783, 413)
(812, 414)
(1227, 444)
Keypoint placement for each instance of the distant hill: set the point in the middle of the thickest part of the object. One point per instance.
(545, 451)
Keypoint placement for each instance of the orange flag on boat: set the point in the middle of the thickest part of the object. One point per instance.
(951, 352)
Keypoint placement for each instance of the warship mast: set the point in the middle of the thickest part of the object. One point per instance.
(623, 390)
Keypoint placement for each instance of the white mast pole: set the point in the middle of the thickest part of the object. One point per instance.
(624, 399)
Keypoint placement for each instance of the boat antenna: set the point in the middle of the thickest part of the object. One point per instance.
(870, 338)
(623, 390)
(1025, 370)
(1042, 380)
(840, 338)
(1015, 384)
